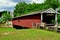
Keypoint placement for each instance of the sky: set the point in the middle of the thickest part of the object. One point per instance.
(10, 4)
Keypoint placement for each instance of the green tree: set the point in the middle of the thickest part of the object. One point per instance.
(53, 3)
(20, 8)
(5, 17)
(24, 8)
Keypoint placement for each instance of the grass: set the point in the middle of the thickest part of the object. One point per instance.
(6, 30)
(28, 34)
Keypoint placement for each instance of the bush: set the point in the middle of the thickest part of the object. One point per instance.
(59, 18)
(53, 21)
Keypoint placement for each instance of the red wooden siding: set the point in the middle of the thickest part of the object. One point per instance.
(27, 20)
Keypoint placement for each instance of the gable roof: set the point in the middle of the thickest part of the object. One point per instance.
(50, 10)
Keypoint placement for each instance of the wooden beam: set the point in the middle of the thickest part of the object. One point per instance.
(41, 17)
(56, 22)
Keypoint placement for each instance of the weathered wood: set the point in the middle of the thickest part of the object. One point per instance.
(41, 17)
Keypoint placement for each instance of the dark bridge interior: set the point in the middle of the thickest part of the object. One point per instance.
(48, 18)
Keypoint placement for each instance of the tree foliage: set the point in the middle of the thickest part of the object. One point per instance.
(59, 18)
(20, 8)
(5, 17)
(23, 8)
(53, 3)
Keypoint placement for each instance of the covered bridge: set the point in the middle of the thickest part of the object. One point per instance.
(32, 20)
